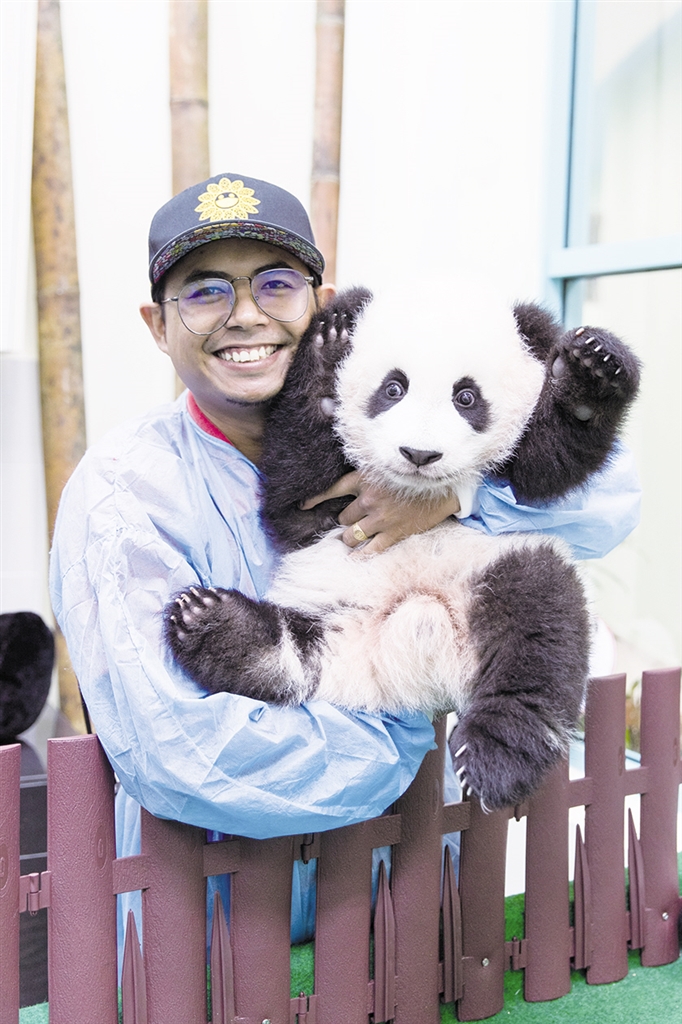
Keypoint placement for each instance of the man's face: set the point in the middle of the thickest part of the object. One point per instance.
(218, 383)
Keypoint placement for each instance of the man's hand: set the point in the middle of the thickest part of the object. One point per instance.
(376, 519)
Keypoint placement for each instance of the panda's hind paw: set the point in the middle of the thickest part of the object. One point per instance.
(499, 774)
(592, 366)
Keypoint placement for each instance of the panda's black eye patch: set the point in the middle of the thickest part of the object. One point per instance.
(469, 402)
(392, 389)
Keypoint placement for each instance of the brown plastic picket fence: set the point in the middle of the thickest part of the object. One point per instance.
(428, 946)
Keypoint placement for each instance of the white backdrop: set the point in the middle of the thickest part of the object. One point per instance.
(444, 160)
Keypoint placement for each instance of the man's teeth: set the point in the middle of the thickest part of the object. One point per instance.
(246, 355)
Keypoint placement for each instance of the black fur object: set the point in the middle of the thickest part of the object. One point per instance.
(591, 377)
(222, 658)
(26, 660)
(302, 456)
(514, 604)
(531, 630)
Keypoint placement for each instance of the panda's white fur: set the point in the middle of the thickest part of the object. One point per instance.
(433, 359)
(397, 626)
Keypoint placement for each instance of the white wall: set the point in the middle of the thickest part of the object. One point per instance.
(444, 149)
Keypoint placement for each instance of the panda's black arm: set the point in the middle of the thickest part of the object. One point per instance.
(591, 379)
(301, 455)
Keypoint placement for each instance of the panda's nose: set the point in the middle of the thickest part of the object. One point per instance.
(419, 457)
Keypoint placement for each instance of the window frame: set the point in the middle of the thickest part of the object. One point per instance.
(572, 48)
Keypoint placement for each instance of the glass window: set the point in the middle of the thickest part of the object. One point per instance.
(627, 159)
(638, 587)
(614, 257)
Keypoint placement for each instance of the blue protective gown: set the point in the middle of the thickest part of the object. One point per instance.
(159, 505)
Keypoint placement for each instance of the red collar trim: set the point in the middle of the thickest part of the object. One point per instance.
(203, 421)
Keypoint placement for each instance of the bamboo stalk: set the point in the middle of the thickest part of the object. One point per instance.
(188, 32)
(59, 336)
(324, 200)
(189, 92)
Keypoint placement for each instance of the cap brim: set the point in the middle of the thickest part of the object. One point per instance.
(179, 246)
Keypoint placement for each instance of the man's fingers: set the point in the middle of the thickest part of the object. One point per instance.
(357, 533)
(348, 484)
(375, 545)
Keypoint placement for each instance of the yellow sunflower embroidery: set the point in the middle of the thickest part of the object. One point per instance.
(228, 200)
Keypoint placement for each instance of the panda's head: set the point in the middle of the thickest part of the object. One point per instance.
(437, 389)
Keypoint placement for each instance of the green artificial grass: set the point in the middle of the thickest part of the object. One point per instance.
(648, 995)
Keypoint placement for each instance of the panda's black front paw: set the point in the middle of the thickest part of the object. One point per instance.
(187, 618)
(593, 368)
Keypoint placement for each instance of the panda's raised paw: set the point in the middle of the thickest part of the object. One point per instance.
(333, 328)
(592, 366)
(336, 322)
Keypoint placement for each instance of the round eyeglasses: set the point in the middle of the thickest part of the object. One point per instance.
(206, 305)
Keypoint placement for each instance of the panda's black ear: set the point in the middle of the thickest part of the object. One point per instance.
(537, 327)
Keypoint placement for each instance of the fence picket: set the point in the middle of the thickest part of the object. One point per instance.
(344, 897)
(10, 767)
(582, 905)
(417, 869)
(660, 743)
(384, 951)
(481, 890)
(452, 934)
(548, 974)
(222, 973)
(133, 980)
(260, 925)
(80, 852)
(636, 876)
(604, 819)
(174, 921)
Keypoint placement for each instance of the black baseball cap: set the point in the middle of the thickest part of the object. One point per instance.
(231, 206)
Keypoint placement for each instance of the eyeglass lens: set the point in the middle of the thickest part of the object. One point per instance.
(205, 306)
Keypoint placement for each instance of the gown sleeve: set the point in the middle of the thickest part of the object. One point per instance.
(592, 519)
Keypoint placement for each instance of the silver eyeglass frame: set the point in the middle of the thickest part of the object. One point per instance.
(243, 277)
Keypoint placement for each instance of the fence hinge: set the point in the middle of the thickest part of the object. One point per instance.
(303, 1009)
(517, 951)
(309, 847)
(35, 891)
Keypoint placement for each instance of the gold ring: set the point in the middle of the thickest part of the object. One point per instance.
(359, 533)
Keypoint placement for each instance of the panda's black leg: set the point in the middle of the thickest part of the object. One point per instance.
(530, 626)
(227, 642)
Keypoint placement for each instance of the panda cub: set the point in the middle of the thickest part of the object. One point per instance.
(425, 397)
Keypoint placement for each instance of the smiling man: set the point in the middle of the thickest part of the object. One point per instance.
(170, 500)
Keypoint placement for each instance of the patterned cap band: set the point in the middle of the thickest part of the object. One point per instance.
(229, 206)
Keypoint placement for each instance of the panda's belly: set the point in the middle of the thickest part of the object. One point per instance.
(443, 560)
(398, 634)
